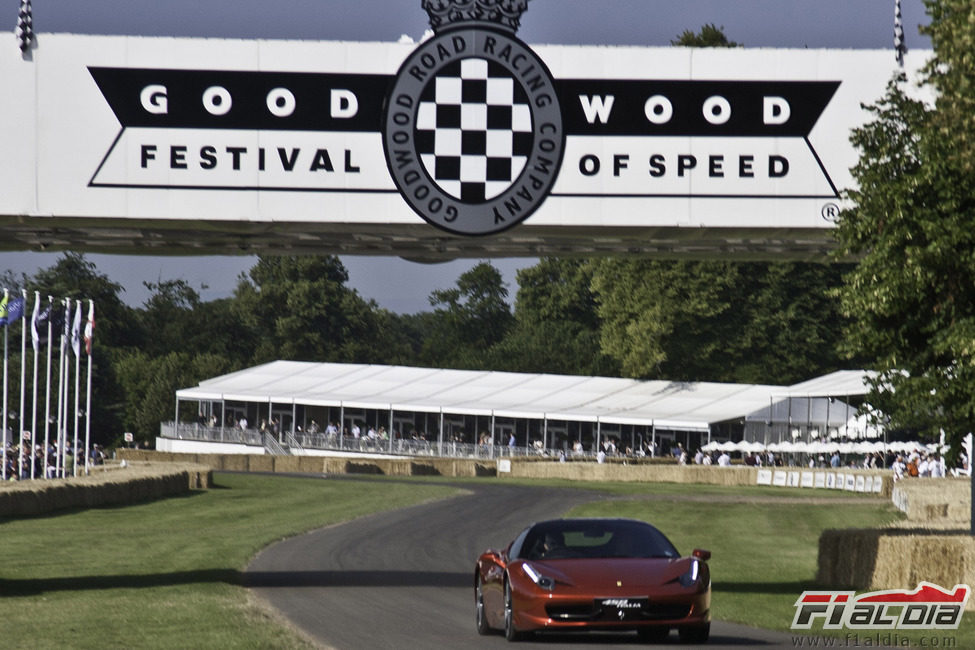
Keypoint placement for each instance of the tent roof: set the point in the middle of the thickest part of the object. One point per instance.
(841, 384)
(665, 404)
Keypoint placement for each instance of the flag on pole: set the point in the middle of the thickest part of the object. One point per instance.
(76, 332)
(90, 327)
(25, 26)
(899, 47)
(11, 310)
(4, 302)
(36, 322)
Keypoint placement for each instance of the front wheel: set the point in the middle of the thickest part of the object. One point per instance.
(480, 617)
(696, 634)
(510, 632)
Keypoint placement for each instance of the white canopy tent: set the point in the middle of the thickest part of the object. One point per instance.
(817, 409)
(601, 401)
(673, 405)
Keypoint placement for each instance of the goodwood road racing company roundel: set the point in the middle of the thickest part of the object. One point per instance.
(473, 131)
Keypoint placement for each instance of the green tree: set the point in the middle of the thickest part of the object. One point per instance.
(299, 307)
(556, 325)
(911, 299)
(709, 36)
(719, 321)
(177, 320)
(152, 381)
(168, 314)
(664, 319)
(468, 319)
(74, 276)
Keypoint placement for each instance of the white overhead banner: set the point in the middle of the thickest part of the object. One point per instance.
(471, 137)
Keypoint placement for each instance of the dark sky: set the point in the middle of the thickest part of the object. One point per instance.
(394, 283)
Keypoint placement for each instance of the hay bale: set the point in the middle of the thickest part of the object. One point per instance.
(122, 486)
(286, 464)
(932, 500)
(235, 463)
(895, 558)
(260, 463)
(423, 469)
(352, 467)
(485, 470)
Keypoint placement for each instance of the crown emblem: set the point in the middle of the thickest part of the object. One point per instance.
(445, 14)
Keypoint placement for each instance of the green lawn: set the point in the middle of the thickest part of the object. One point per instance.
(165, 574)
(764, 553)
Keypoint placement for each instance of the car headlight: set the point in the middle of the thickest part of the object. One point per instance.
(543, 581)
(689, 579)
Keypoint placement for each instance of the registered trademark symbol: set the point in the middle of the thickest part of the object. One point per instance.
(830, 212)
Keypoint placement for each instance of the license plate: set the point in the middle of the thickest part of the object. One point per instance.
(623, 604)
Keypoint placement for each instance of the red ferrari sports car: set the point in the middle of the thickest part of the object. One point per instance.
(593, 574)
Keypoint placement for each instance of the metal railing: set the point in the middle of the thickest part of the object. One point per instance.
(185, 431)
(298, 443)
(296, 447)
(274, 447)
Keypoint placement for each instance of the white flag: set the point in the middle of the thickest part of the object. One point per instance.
(90, 327)
(35, 336)
(76, 332)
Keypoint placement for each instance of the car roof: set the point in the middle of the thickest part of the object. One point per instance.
(589, 520)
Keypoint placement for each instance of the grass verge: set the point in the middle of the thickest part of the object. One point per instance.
(166, 573)
(765, 554)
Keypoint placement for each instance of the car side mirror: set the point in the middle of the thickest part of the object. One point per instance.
(701, 554)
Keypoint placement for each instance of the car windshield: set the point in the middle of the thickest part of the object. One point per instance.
(594, 538)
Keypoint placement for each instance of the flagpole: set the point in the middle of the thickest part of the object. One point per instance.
(3, 425)
(77, 382)
(47, 392)
(62, 373)
(89, 335)
(23, 376)
(33, 409)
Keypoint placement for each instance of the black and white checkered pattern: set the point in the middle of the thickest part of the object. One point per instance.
(25, 25)
(474, 129)
(899, 47)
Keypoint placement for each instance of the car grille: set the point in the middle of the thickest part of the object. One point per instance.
(599, 611)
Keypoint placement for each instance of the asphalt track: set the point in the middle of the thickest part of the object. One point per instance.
(404, 579)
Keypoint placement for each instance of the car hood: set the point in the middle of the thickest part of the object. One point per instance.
(606, 572)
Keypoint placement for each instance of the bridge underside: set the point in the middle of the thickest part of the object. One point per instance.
(419, 242)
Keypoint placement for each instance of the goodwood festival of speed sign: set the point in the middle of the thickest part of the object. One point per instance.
(472, 129)
(472, 133)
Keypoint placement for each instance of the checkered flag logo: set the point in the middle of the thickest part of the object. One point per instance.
(25, 26)
(474, 130)
(899, 47)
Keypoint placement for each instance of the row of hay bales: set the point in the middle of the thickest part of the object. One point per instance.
(934, 544)
(453, 467)
(108, 486)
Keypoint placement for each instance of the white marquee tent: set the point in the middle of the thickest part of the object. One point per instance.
(664, 405)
